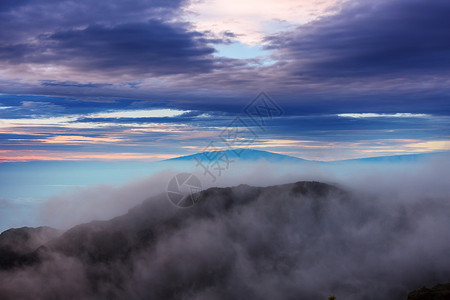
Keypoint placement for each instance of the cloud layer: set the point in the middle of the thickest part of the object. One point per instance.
(389, 38)
(64, 62)
(302, 240)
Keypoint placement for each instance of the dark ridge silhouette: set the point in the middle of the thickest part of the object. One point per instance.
(305, 240)
(438, 292)
(17, 245)
(117, 239)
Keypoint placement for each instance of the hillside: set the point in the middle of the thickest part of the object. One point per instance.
(305, 240)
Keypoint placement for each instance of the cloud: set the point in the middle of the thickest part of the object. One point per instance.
(73, 84)
(5, 203)
(26, 20)
(250, 21)
(55, 151)
(380, 56)
(17, 212)
(246, 242)
(41, 107)
(397, 39)
(377, 115)
(106, 130)
(132, 37)
(373, 178)
(8, 5)
(154, 113)
(153, 47)
(107, 201)
(119, 56)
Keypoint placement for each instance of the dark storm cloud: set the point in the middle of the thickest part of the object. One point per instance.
(8, 5)
(73, 84)
(69, 13)
(340, 63)
(393, 38)
(27, 19)
(153, 47)
(125, 37)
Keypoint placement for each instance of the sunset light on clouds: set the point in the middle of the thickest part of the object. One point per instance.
(224, 149)
(140, 77)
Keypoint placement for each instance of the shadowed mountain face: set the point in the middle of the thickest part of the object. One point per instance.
(17, 245)
(26, 239)
(438, 292)
(306, 240)
(105, 241)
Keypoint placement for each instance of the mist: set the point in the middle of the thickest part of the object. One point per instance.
(403, 181)
(379, 231)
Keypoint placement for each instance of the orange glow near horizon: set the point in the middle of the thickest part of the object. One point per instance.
(42, 155)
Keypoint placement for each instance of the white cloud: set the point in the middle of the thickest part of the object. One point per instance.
(71, 121)
(377, 115)
(143, 113)
(5, 123)
(252, 20)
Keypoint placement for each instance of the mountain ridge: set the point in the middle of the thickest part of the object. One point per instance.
(240, 153)
(241, 242)
(254, 155)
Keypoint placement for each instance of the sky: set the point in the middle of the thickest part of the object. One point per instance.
(142, 80)
(94, 93)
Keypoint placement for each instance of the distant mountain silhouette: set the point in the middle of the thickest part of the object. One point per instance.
(255, 155)
(395, 158)
(19, 180)
(240, 154)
